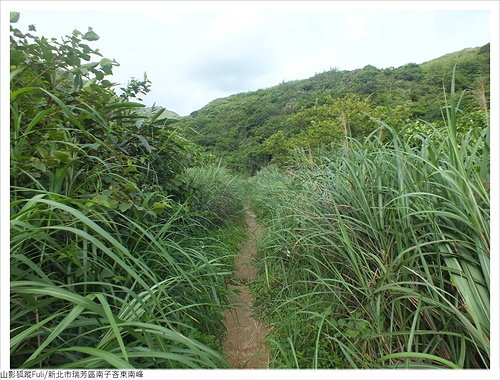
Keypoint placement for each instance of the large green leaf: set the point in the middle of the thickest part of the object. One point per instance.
(14, 17)
(90, 35)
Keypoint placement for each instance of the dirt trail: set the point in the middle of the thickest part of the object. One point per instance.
(244, 346)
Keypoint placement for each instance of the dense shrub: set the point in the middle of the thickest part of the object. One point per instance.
(382, 251)
(104, 271)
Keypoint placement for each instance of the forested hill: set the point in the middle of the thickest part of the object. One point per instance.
(251, 129)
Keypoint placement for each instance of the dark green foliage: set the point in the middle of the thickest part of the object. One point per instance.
(377, 256)
(110, 265)
(237, 127)
(212, 193)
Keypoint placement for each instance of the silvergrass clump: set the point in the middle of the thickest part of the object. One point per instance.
(213, 193)
(88, 291)
(104, 271)
(388, 262)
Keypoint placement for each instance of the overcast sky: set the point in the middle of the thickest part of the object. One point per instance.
(195, 55)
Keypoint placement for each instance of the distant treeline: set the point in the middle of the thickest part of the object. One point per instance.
(247, 128)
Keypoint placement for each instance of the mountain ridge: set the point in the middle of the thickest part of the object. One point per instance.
(444, 56)
(236, 127)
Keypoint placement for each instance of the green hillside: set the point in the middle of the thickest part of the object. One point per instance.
(239, 127)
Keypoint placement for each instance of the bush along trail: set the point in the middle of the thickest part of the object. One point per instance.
(377, 256)
(244, 345)
(122, 231)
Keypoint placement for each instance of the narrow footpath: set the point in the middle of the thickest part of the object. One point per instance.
(244, 346)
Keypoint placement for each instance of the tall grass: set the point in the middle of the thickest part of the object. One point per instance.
(379, 256)
(95, 287)
(88, 291)
(110, 265)
(213, 192)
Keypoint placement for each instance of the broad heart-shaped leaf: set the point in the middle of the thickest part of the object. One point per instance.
(90, 36)
(39, 166)
(124, 206)
(14, 17)
(102, 200)
(106, 66)
(106, 62)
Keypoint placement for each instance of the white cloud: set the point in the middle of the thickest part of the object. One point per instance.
(195, 54)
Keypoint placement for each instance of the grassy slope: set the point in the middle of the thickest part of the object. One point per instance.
(379, 256)
(236, 126)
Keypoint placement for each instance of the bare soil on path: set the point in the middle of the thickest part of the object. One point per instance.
(244, 345)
